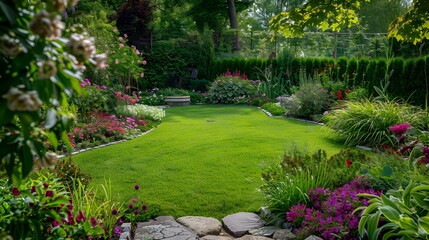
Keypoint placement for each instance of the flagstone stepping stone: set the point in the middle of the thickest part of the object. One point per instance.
(163, 228)
(251, 237)
(212, 237)
(284, 234)
(267, 231)
(312, 237)
(201, 225)
(239, 224)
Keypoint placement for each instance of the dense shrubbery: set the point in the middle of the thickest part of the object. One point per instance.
(228, 89)
(309, 100)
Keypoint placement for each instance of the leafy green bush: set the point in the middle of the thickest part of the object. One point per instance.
(309, 100)
(367, 122)
(260, 100)
(398, 214)
(139, 110)
(357, 94)
(226, 89)
(274, 109)
(288, 183)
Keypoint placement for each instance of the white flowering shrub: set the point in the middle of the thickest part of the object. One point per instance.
(140, 110)
(39, 71)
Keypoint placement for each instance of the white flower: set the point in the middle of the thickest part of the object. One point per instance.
(9, 46)
(47, 69)
(100, 60)
(18, 100)
(81, 47)
(46, 25)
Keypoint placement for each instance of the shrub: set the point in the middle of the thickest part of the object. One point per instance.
(68, 173)
(357, 94)
(41, 209)
(309, 100)
(94, 99)
(152, 100)
(140, 110)
(287, 184)
(274, 109)
(329, 214)
(229, 90)
(367, 122)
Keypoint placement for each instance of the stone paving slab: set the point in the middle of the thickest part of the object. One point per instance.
(163, 228)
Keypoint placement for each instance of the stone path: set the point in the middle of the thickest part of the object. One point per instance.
(240, 226)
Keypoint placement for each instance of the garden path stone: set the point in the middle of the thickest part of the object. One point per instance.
(251, 237)
(212, 237)
(312, 237)
(239, 224)
(201, 225)
(267, 231)
(163, 228)
(284, 234)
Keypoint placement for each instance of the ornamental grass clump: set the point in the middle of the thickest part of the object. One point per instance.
(367, 122)
(330, 213)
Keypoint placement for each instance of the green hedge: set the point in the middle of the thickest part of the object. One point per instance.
(408, 80)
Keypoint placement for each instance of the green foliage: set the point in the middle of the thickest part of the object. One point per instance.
(397, 85)
(357, 94)
(309, 100)
(94, 99)
(39, 69)
(341, 69)
(288, 183)
(68, 173)
(229, 90)
(273, 85)
(274, 109)
(36, 208)
(346, 164)
(370, 76)
(361, 70)
(366, 122)
(352, 68)
(398, 214)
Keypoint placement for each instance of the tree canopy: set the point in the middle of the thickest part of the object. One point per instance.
(334, 15)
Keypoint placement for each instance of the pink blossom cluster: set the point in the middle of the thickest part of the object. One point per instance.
(127, 98)
(235, 74)
(86, 82)
(400, 129)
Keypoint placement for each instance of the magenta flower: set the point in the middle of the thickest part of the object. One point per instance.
(400, 129)
(15, 191)
(133, 200)
(144, 62)
(136, 212)
(144, 208)
(121, 45)
(45, 185)
(93, 222)
(125, 35)
(49, 193)
(80, 217)
(130, 206)
(114, 211)
(136, 187)
(33, 189)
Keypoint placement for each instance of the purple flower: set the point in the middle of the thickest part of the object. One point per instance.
(114, 211)
(15, 191)
(45, 185)
(136, 187)
(130, 206)
(117, 230)
(80, 217)
(400, 129)
(93, 222)
(144, 208)
(33, 189)
(49, 193)
(136, 212)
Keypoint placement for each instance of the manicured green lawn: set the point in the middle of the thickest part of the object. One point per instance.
(202, 160)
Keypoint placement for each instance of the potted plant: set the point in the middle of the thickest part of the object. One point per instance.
(176, 97)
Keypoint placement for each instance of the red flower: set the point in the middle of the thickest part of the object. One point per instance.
(339, 95)
(348, 163)
(15, 191)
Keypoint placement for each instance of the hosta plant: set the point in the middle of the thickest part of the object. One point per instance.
(229, 89)
(398, 214)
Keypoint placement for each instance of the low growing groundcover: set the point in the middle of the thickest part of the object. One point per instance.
(202, 160)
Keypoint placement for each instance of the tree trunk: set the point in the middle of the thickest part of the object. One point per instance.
(234, 23)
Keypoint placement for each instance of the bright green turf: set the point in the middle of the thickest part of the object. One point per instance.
(202, 160)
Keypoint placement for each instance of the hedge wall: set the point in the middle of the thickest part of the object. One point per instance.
(408, 79)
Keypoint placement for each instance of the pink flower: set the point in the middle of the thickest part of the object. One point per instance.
(125, 35)
(400, 129)
(121, 45)
(120, 39)
(142, 75)
(133, 200)
(116, 61)
(137, 52)
(144, 62)
(103, 87)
